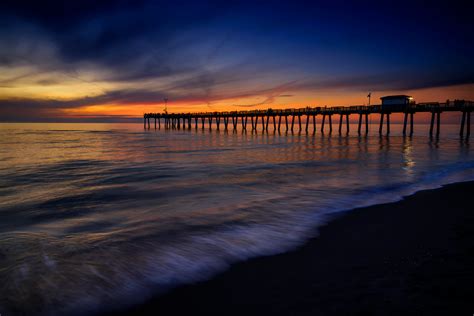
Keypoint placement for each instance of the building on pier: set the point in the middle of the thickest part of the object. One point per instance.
(396, 102)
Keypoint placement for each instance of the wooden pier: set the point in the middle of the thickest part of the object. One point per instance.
(286, 119)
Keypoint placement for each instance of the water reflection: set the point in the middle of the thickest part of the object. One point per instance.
(409, 162)
(78, 201)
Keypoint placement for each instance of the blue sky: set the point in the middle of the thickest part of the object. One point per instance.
(71, 60)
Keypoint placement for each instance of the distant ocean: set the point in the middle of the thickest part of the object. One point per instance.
(99, 215)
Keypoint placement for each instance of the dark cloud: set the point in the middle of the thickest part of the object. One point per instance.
(108, 31)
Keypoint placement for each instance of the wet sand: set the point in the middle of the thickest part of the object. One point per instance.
(412, 257)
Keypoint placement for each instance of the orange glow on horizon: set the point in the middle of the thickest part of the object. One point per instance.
(303, 99)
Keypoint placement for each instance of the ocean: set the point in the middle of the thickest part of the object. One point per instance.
(94, 216)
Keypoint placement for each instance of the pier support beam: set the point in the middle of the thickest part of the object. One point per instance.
(405, 119)
(360, 123)
(286, 122)
(292, 123)
(347, 123)
(279, 123)
(438, 124)
(366, 123)
(307, 123)
(381, 123)
(463, 120)
(299, 122)
(314, 124)
(322, 123)
(234, 122)
(226, 122)
(468, 132)
(388, 123)
(438, 119)
(340, 123)
(432, 122)
(330, 123)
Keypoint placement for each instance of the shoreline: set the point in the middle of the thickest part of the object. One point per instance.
(413, 256)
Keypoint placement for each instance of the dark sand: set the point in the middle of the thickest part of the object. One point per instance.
(411, 257)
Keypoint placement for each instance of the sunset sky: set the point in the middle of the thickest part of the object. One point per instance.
(113, 60)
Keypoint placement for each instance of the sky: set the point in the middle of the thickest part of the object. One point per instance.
(115, 60)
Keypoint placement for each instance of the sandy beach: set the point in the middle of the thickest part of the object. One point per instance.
(412, 257)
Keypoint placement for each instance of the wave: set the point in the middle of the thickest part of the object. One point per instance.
(78, 278)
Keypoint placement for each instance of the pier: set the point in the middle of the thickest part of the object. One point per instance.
(298, 120)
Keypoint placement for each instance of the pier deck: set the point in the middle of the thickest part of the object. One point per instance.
(183, 120)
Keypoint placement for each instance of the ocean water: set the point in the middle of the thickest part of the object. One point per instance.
(94, 216)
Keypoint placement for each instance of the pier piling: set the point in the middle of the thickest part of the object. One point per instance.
(366, 123)
(347, 123)
(405, 119)
(322, 123)
(381, 123)
(340, 123)
(468, 132)
(330, 123)
(307, 122)
(463, 120)
(438, 119)
(360, 123)
(388, 123)
(432, 122)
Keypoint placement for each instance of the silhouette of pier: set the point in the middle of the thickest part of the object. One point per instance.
(287, 119)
